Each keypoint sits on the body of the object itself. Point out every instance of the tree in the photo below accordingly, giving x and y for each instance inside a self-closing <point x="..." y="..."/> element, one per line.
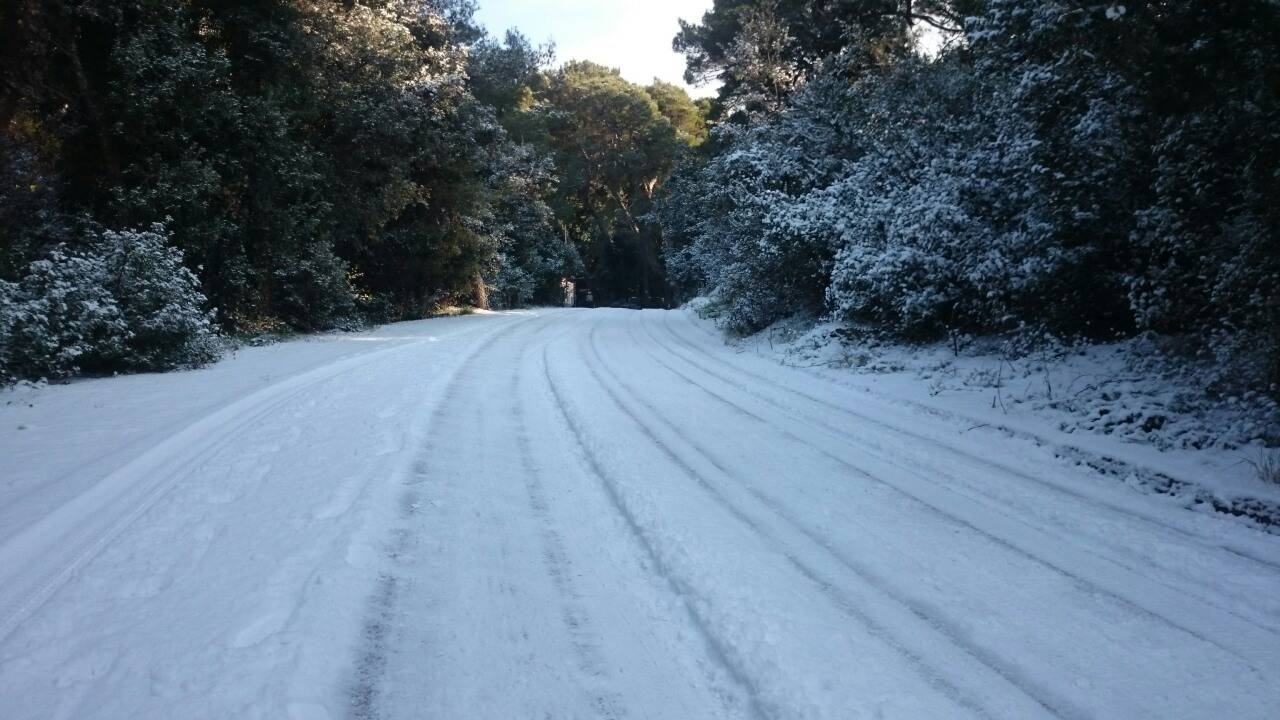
<point x="613" y="148"/>
<point x="689" y="118"/>
<point x="1086" y="170"/>
<point x="303" y="153"/>
<point x="762" y="51"/>
<point x="507" y="75"/>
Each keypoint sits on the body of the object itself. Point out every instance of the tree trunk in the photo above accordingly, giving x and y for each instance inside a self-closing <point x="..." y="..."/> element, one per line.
<point x="481" y="292"/>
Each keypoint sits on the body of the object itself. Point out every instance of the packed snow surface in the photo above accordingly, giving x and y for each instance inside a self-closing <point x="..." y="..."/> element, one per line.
<point x="590" y="514"/>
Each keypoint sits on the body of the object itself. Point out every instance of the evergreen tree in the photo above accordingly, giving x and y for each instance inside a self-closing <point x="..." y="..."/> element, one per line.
<point x="613" y="148"/>
<point x="1089" y="170"/>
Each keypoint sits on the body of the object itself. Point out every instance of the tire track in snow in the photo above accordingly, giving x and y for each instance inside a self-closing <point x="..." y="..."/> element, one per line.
<point x="922" y="472"/>
<point x="364" y="691"/>
<point x="379" y="641"/>
<point x="81" y="529"/>
<point x="574" y="616"/>
<point x="1054" y="488"/>
<point x="1241" y="645"/>
<point x="1043" y="699"/>
<point x="719" y="651"/>
<point x="139" y="446"/>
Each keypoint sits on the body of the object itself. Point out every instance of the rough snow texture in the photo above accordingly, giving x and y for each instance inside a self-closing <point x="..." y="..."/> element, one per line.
<point x="591" y="514"/>
<point x="1088" y="403"/>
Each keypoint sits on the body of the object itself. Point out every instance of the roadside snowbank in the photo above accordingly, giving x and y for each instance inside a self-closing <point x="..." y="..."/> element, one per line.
<point x="1107" y="406"/>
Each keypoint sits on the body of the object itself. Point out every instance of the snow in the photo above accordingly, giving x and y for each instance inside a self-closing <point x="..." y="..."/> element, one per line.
<point x="593" y="513"/>
<point x="1093" y="403"/>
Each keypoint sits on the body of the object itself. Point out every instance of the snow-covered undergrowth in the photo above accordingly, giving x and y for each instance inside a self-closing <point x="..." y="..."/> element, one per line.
<point x="124" y="302"/>
<point x="1125" y="388"/>
<point x="1097" y="404"/>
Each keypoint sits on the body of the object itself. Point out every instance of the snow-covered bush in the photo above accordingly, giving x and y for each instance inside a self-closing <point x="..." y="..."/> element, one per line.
<point x="61" y="318"/>
<point x="921" y="250"/>
<point x="1267" y="466"/>
<point x="531" y="259"/>
<point x="159" y="299"/>
<point x="751" y="233"/>
<point x="124" y="302"/>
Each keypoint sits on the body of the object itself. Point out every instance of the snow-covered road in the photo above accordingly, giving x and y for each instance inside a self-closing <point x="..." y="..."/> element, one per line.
<point x="590" y="514"/>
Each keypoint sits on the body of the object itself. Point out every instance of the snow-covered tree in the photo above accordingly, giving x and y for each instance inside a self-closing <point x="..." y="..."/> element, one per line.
<point x="1087" y="169"/>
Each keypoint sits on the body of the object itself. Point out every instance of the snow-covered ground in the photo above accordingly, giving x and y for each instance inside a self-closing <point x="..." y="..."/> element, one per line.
<point x="1118" y="407"/>
<point x="592" y="514"/>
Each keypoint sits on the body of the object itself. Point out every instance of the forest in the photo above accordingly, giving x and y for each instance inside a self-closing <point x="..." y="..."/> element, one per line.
<point x="172" y="173"/>
<point x="1065" y="169"/>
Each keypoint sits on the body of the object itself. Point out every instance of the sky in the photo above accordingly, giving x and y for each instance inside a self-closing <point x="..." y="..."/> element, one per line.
<point x="631" y="35"/>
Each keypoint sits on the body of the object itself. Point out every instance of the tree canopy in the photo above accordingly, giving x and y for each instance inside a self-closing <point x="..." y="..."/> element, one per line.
<point x="1072" y="168"/>
<point x="1067" y="168"/>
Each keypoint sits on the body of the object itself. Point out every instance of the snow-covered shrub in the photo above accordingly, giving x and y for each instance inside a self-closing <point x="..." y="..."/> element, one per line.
<point x="1267" y="466"/>
<point x="916" y="256"/>
<point x="514" y="286"/>
<point x="61" y="318"/>
<point x="124" y="302"/>
<point x="530" y="258"/>
<point x="751" y="233"/>
<point x="159" y="299"/>
<point x="1068" y="150"/>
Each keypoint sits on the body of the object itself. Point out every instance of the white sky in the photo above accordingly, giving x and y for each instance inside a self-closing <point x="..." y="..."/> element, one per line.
<point x="632" y="35"/>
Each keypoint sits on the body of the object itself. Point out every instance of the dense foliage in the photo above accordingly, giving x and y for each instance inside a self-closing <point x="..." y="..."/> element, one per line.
<point x="1087" y="170"/>
<point x="121" y="301"/>
<point x="314" y="163"/>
